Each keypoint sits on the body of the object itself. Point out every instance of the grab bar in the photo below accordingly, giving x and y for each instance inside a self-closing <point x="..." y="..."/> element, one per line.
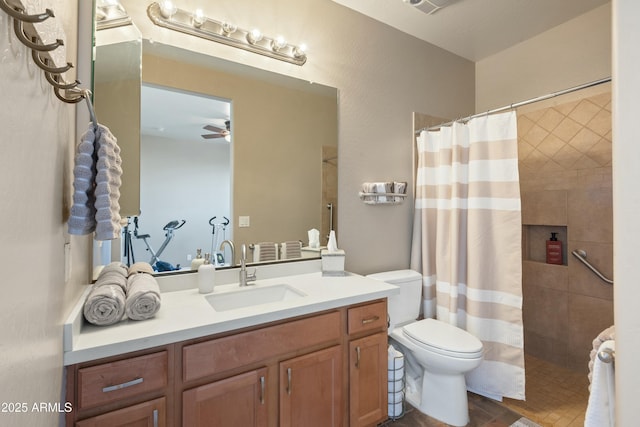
<point x="607" y="355"/>
<point x="582" y="256"/>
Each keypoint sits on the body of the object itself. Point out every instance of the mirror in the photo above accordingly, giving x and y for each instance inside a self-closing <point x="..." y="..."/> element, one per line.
<point x="283" y="151"/>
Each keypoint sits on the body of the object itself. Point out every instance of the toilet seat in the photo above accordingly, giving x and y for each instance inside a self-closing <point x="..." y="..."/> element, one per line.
<point x="443" y="338"/>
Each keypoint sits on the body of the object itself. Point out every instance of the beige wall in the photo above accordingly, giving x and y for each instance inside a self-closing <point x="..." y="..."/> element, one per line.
<point x="564" y="149"/>
<point x="38" y="135"/>
<point x="382" y="77"/>
<point x="571" y="54"/>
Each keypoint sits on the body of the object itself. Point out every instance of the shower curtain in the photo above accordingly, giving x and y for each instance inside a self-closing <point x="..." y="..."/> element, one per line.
<point x="467" y="243"/>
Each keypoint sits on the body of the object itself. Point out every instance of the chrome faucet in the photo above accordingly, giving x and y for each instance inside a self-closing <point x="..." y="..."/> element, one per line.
<point x="245" y="277"/>
<point x="233" y="251"/>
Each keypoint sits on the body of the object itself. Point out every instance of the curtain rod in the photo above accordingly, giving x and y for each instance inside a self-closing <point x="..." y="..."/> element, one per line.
<point x="520" y="104"/>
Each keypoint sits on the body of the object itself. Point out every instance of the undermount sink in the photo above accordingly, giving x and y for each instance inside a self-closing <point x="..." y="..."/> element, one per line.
<point x="253" y="296"/>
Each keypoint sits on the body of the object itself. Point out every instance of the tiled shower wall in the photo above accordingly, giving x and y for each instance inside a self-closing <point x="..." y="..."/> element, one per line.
<point x="565" y="179"/>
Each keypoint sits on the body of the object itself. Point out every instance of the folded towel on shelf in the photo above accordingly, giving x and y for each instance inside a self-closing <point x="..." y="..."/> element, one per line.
<point x="107" y="189"/>
<point x="372" y="188"/>
<point x="105" y="304"/>
<point x="265" y="251"/>
<point x="399" y="188"/>
<point x="606" y="335"/>
<point x="143" y="296"/>
<point x="291" y="249"/>
<point x="82" y="216"/>
<point x="601" y="404"/>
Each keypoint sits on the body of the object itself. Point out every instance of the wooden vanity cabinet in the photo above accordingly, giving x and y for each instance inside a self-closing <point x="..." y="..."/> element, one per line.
<point x="325" y="369"/>
<point x="236" y="401"/>
<point x="133" y="389"/>
<point x="367" y="364"/>
<point x="279" y="375"/>
<point x="311" y="389"/>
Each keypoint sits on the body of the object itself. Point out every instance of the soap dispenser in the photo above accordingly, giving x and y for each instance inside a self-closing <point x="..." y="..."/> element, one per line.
<point x="198" y="260"/>
<point x="554" y="250"/>
<point x="206" y="275"/>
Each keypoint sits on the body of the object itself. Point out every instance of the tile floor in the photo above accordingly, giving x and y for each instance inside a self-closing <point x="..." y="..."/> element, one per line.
<point x="556" y="397"/>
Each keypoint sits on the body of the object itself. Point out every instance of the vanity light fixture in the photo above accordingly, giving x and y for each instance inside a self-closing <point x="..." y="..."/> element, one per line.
<point x="110" y="14"/>
<point x="166" y="14"/>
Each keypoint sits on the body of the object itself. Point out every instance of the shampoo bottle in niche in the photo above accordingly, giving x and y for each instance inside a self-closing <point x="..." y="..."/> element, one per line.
<point x="554" y="250"/>
<point x="198" y="260"/>
<point x="206" y="275"/>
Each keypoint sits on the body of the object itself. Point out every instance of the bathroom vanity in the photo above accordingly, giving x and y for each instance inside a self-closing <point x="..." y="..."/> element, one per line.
<point x="318" y="359"/>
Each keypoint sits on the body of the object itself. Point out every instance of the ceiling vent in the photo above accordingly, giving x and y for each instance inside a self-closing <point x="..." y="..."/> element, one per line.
<point x="429" y="6"/>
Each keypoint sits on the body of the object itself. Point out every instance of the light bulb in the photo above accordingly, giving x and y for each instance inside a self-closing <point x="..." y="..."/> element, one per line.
<point x="198" y="18"/>
<point x="278" y="43"/>
<point x="228" y="28"/>
<point x="254" y="36"/>
<point x="300" y="51"/>
<point x="167" y="9"/>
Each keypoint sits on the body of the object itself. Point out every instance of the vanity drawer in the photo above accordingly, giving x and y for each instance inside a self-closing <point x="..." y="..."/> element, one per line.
<point x="235" y="351"/>
<point x="121" y="379"/>
<point x="367" y="317"/>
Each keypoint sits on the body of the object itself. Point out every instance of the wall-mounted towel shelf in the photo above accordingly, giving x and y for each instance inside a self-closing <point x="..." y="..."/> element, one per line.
<point x="382" y="198"/>
<point x="383" y="193"/>
<point x="42" y="53"/>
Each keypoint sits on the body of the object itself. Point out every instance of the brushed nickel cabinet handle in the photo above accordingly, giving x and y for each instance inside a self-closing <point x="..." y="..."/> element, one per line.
<point x="370" y="320"/>
<point x="123" y="385"/>
<point x="358" y="357"/>
<point x="262" y="390"/>
<point x="289" y="381"/>
<point x="155" y="418"/>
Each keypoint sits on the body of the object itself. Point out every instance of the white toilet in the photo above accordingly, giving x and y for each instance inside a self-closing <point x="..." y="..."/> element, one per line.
<point x="437" y="354"/>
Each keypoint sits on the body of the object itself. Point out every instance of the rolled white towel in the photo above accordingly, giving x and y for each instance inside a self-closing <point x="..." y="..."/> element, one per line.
<point x="105" y="304"/>
<point x="140" y="267"/>
<point x="143" y="296"/>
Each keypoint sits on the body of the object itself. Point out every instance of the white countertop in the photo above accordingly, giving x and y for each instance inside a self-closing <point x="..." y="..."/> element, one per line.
<point x="185" y="314"/>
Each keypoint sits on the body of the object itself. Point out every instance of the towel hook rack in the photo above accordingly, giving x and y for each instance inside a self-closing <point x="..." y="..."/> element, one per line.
<point x="73" y="93"/>
<point x="18" y="13"/>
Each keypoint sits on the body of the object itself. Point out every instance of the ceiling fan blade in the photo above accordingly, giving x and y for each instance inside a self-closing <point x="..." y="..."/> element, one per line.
<point x="213" y="128"/>
<point x="212" y="136"/>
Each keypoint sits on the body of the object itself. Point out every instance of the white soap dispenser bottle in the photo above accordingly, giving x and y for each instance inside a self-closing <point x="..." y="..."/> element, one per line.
<point x="206" y="275"/>
<point x="198" y="260"/>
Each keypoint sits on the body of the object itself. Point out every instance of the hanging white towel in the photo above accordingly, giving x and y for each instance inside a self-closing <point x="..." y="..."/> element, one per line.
<point x="265" y="251"/>
<point x="108" y="181"/>
<point x="97" y="178"/>
<point x="601" y="406"/>
<point x="606" y="335"/>
<point x="292" y="249"/>
<point x="82" y="219"/>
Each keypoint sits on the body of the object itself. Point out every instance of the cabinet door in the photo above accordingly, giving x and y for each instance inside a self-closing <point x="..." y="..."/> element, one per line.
<point x="368" y="380"/>
<point x="235" y="401"/>
<point x="311" y="389"/>
<point x="147" y="414"/>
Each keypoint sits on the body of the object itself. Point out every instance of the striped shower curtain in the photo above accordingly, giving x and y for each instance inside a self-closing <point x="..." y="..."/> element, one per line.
<point x="467" y="243"/>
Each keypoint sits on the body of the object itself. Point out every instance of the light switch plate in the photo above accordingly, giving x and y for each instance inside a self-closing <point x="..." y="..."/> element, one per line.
<point x="244" y="221"/>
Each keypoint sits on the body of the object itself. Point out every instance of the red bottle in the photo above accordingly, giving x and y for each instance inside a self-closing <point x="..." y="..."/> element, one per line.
<point x="554" y="250"/>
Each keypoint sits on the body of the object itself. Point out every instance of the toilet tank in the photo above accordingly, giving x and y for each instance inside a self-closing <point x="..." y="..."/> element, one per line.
<point x="405" y="307"/>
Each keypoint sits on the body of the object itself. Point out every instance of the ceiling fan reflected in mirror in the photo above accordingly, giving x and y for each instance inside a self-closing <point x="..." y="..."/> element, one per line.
<point x="218" y="132"/>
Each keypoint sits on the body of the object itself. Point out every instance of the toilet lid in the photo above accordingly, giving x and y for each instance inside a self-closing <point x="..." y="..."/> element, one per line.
<point x="443" y="338"/>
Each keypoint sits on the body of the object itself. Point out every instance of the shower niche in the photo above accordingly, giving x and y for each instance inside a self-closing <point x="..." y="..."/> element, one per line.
<point x="534" y="241"/>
